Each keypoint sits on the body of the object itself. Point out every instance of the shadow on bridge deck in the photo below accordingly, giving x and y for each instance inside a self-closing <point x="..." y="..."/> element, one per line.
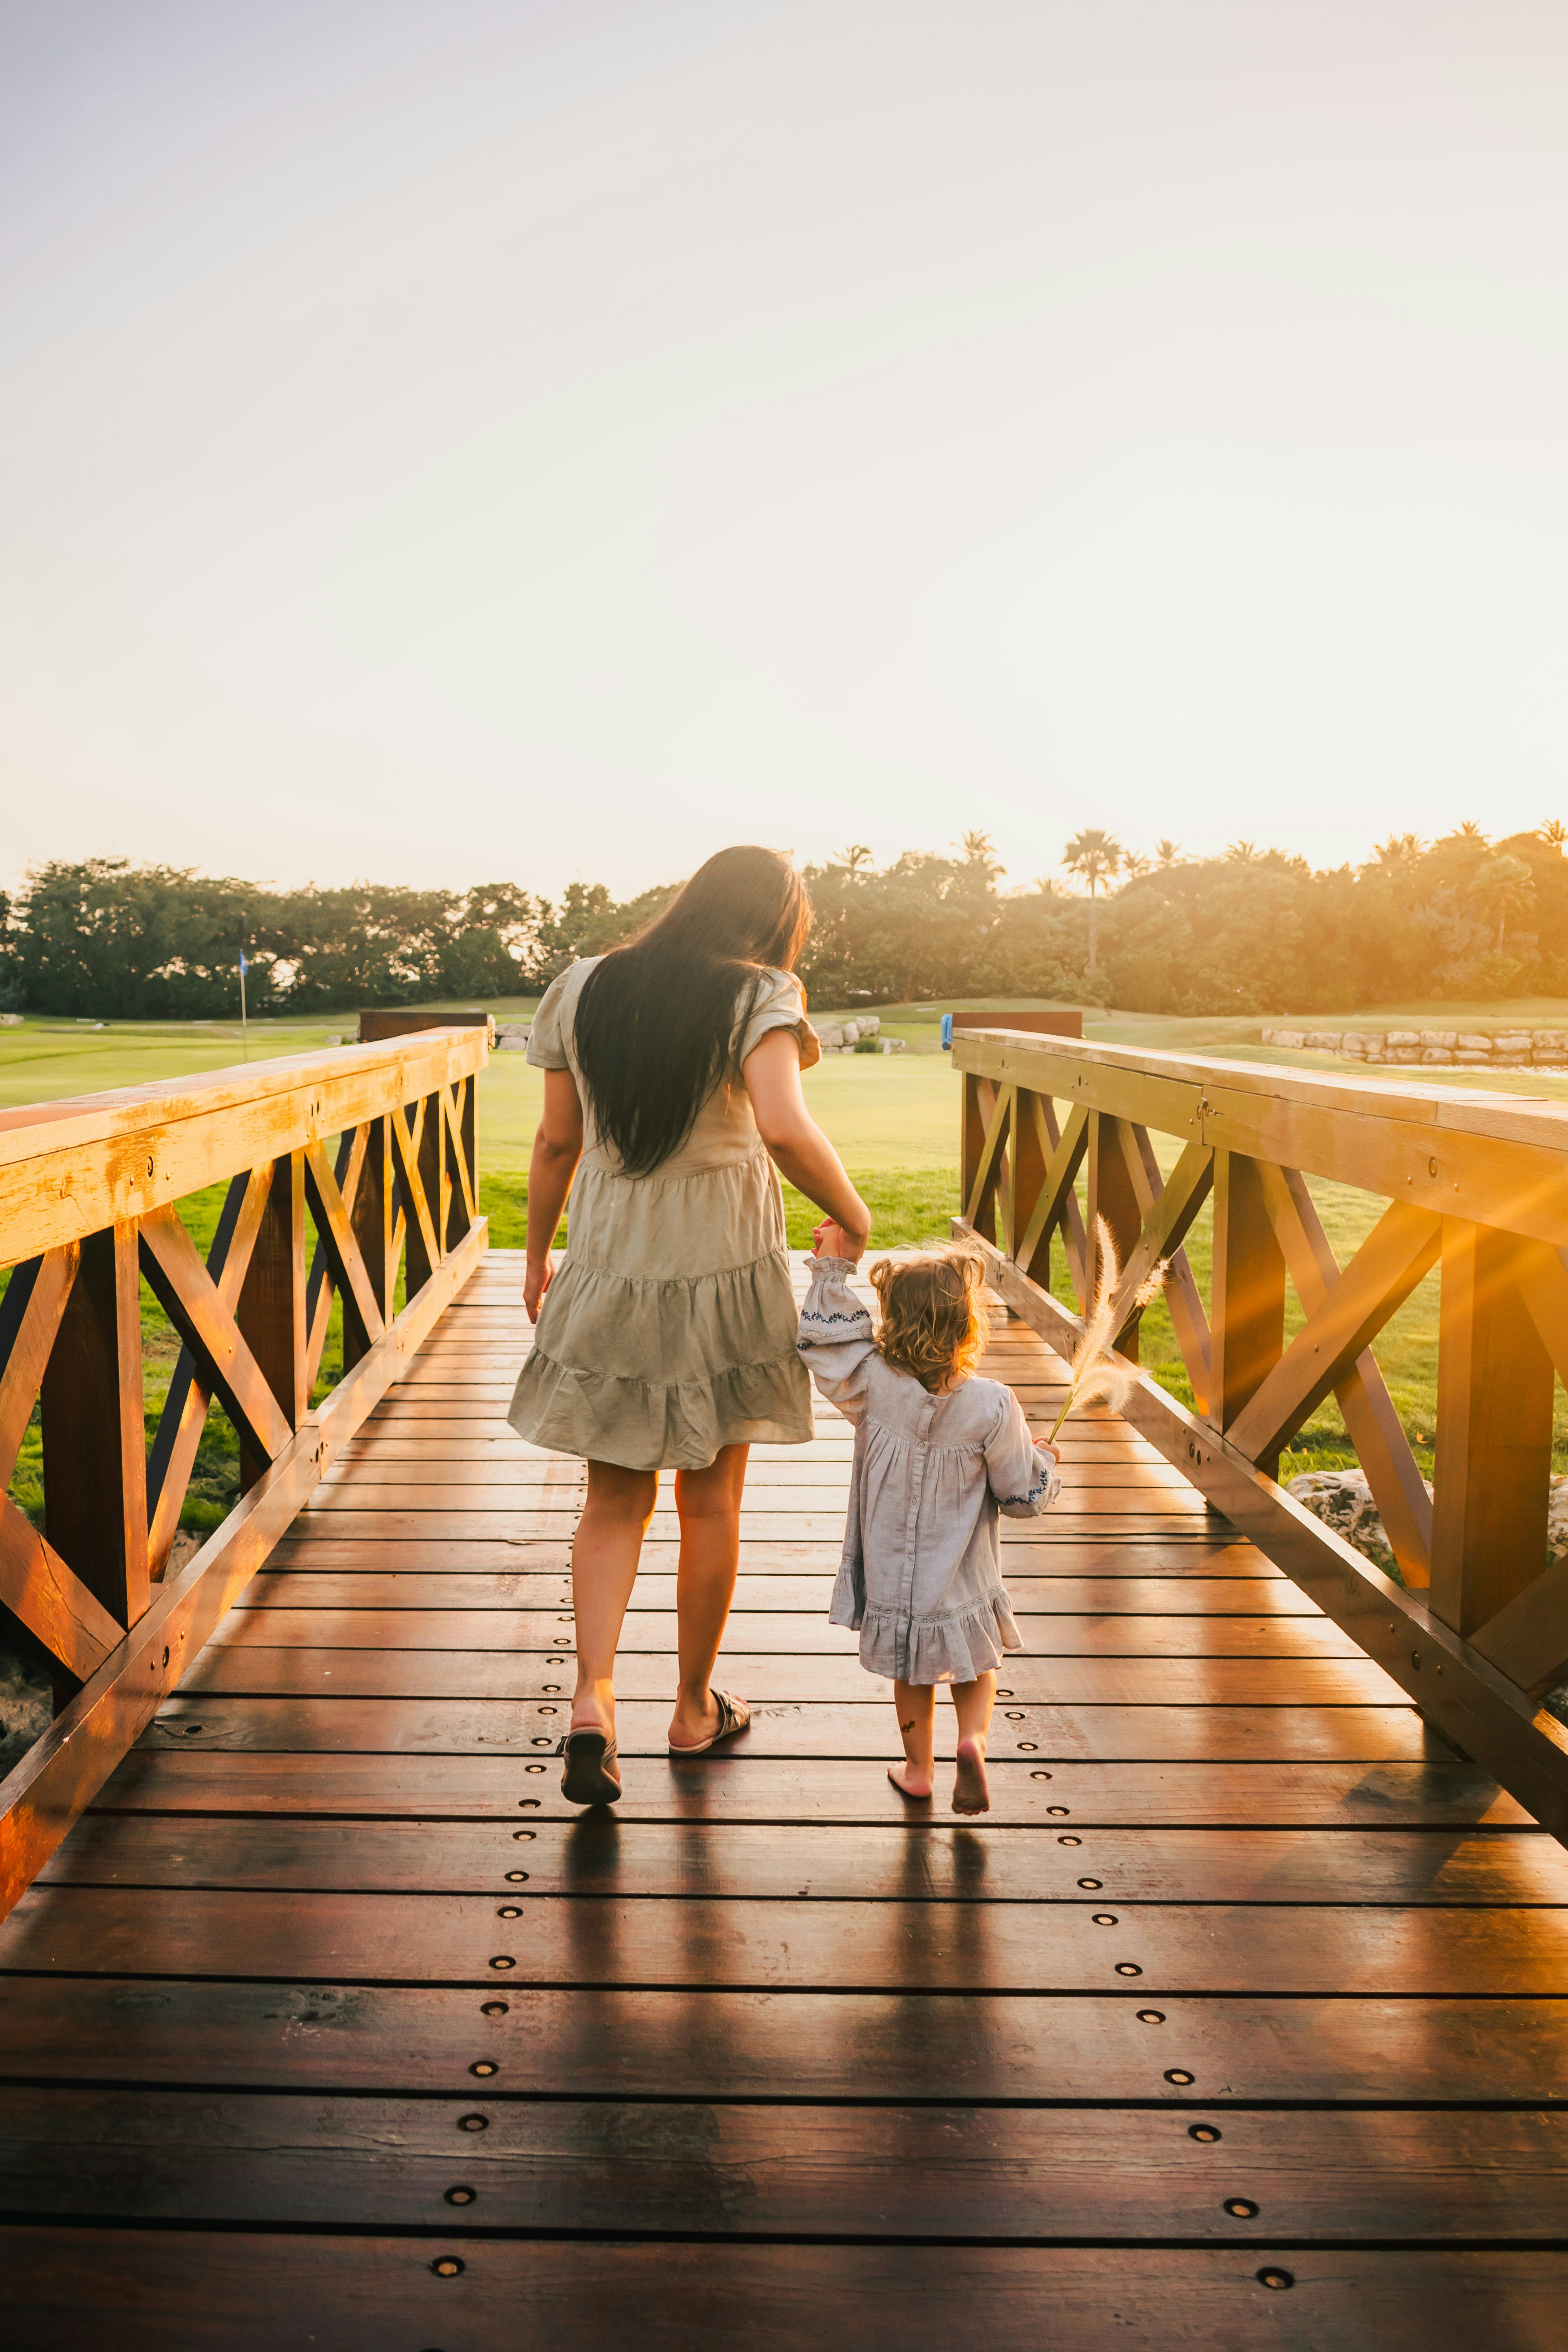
<point x="1238" y="2022"/>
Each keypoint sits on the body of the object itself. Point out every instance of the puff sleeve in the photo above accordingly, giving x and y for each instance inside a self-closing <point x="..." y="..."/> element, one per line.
<point x="780" y="1004"/>
<point x="546" y="1050"/>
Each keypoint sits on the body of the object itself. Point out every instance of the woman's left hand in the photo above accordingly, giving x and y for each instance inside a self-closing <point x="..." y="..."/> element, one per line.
<point x="536" y="1281"/>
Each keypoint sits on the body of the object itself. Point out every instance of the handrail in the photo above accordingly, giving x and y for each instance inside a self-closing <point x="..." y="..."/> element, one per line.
<point x="1476" y="1185"/>
<point x="87" y="1195"/>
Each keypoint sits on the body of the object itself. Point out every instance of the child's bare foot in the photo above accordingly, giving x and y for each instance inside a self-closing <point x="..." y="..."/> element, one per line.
<point x="971" y="1791"/>
<point x="909" y="1782"/>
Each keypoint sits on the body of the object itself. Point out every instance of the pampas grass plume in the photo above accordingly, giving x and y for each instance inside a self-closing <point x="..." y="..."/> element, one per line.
<point x="1093" y="1376"/>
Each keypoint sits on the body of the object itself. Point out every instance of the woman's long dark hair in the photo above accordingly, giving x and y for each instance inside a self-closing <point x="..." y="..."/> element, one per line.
<point x="657" y="1021"/>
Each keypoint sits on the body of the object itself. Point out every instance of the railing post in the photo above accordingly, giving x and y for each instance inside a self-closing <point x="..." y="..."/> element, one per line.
<point x="1246" y="1316"/>
<point x="95" y="1460"/>
<point x="436" y="1185"/>
<point x="1029" y="1164"/>
<point x="1113" y="1197"/>
<point x="372" y="1218"/>
<point x="973" y="1127"/>
<point x="271" y="1310"/>
<point x="1494" y="1432"/>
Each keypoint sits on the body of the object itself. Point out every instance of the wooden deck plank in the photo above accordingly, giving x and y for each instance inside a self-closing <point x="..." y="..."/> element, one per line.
<point x="1109" y="1611"/>
<point x="210" y="2290"/>
<point x="777" y="1620"/>
<point x="1436" y="1790"/>
<point x="782" y="1672"/>
<point x="827" y="1863"/>
<point x="594" y="2042"/>
<point x="324" y="1546"/>
<point x="1152" y="1949"/>
<point x="828" y="2172"/>
<point x="1149" y="1732"/>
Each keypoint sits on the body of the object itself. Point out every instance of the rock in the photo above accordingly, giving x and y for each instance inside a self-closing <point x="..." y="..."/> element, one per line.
<point x="870" y="1023"/>
<point x="1344" y="1501"/>
<point x="10" y="1019"/>
<point x="1512" y="1041"/>
<point x="1471" y="1043"/>
<point x="1436" y="1053"/>
<point x="512" y="1036"/>
<point x="26" y="1707"/>
<point x="1293" y="1038"/>
<point x="831" y="1034"/>
<point x="187" y="1542"/>
<point x="1404" y="1036"/>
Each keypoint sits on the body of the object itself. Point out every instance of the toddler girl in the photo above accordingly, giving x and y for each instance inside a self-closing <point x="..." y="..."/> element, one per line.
<point x="938" y="1454"/>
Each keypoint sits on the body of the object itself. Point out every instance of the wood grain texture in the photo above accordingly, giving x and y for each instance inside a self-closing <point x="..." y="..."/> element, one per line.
<point x="714" y="2044"/>
<point x="262" y="2292"/>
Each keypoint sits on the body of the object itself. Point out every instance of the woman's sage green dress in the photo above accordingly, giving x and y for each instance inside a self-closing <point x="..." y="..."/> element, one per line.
<point x="670" y="1329"/>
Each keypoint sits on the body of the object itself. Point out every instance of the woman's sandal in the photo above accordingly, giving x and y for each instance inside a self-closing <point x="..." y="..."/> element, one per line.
<point x="590" y="1777"/>
<point x="734" y="1716"/>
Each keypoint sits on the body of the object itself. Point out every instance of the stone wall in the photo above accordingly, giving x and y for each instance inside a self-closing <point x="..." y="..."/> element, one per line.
<point x="1503" y="1049"/>
<point x="837" y="1036"/>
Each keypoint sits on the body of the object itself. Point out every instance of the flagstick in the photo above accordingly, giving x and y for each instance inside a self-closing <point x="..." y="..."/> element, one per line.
<point x="244" y="1027"/>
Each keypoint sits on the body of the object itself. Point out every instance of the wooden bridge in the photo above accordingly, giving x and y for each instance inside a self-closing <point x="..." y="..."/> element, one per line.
<point x="1239" y="2021"/>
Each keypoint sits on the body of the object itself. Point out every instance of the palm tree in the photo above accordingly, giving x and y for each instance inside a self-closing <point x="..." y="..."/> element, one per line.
<point x="1168" y="854"/>
<point x="856" y="860"/>
<point x="1243" y="853"/>
<point x="1134" y="863"/>
<point x="1504" y="886"/>
<point x="1095" y="856"/>
<point x="1554" y="833"/>
<point x="978" y="851"/>
<point x="1401" y="849"/>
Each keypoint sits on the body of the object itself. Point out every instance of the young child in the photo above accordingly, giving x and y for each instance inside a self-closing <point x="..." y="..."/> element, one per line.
<point x="938" y="1454"/>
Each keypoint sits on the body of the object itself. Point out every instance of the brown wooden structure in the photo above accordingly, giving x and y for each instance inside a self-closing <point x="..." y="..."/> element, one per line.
<point x="1238" y="2021"/>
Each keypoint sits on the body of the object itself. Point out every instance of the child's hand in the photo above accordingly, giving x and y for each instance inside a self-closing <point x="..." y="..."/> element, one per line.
<point x="830" y="1240"/>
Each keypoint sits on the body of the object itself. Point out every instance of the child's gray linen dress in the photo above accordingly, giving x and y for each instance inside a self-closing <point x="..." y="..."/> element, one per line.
<point x="921" y="1579"/>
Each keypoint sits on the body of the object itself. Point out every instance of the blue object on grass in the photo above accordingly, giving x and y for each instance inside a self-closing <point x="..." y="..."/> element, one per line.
<point x="946" y="1029"/>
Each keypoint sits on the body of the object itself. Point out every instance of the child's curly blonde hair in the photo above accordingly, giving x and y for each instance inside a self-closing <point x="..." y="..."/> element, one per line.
<point x="934" y="1323"/>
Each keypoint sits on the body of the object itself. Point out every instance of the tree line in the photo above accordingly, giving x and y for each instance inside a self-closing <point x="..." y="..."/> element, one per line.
<point x="1251" y="931"/>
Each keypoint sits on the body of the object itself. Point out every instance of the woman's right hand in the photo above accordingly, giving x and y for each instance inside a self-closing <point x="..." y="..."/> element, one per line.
<point x="536" y="1281"/>
<point x="833" y="1240"/>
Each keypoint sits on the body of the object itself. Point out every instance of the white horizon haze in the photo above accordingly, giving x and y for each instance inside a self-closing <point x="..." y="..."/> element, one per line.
<point x="548" y="440"/>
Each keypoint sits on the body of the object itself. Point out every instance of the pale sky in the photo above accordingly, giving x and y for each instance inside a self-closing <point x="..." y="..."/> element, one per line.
<point x="443" y="440"/>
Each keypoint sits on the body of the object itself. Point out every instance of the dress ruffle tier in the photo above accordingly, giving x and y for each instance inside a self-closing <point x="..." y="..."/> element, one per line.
<point x="661" y="1373"/>
<point x="948" y="1649"/>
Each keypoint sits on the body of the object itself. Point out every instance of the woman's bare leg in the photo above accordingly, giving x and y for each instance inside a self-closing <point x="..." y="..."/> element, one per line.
<point x="604" y="1569"/>
<point x="709" y="1502"/>
<point x="973" y="1701"/>
<point x="915" y="1703"/>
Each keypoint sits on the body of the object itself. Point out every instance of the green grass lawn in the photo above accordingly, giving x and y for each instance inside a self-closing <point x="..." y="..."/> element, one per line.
<point x="893" y="1118"/>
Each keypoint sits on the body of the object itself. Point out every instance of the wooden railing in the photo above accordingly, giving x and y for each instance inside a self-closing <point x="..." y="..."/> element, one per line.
<point x="1056" y="1133"/>
<point x="87" y="1195"/>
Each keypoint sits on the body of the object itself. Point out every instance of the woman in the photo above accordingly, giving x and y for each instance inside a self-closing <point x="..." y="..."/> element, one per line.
<point x="667" y="1340"/>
